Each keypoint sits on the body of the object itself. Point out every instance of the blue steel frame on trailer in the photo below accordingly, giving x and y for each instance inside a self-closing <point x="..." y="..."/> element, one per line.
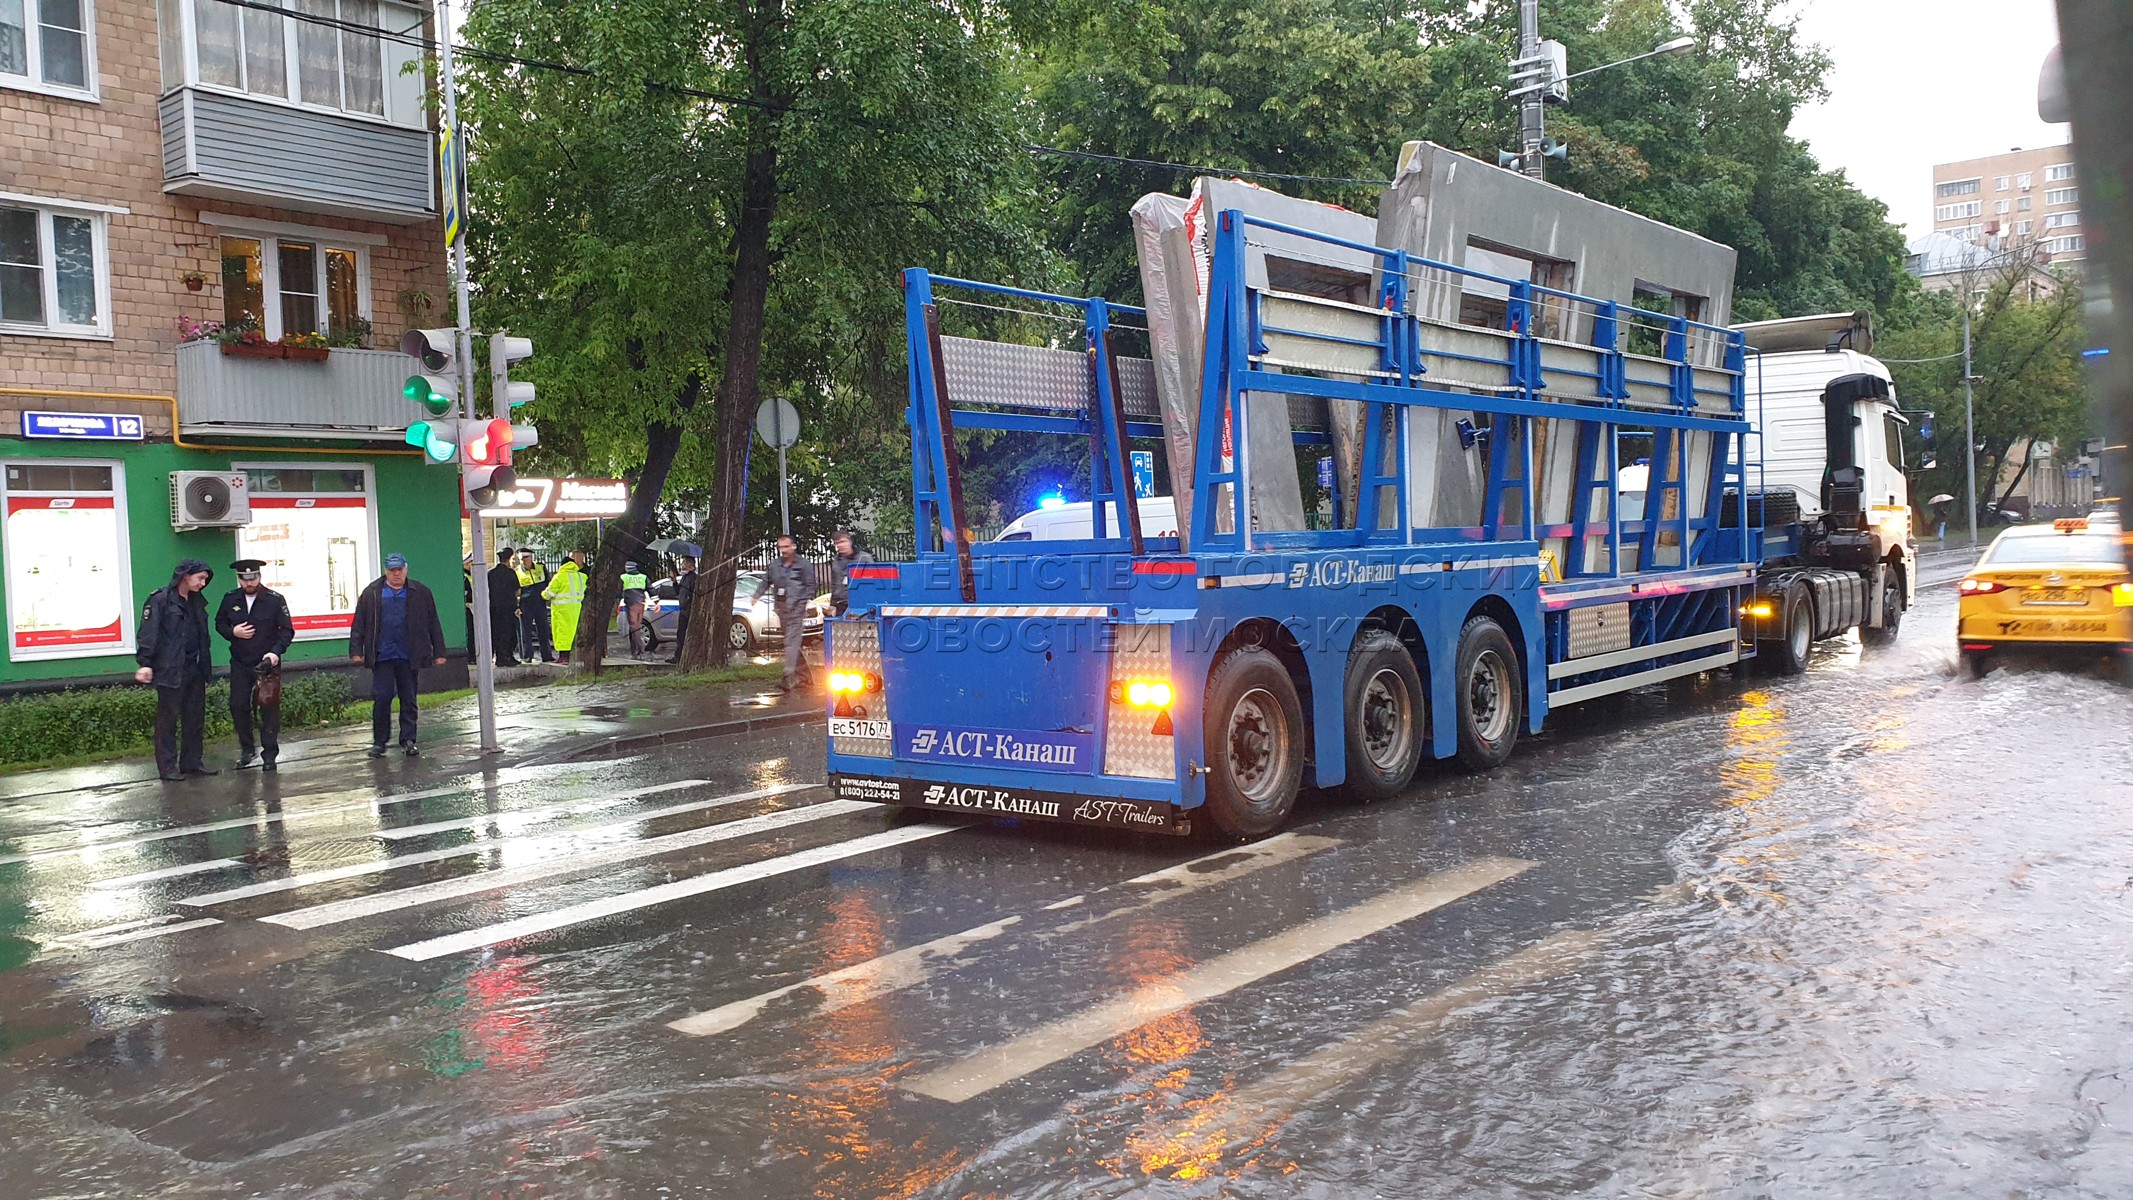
<point x="1015" y="652"/>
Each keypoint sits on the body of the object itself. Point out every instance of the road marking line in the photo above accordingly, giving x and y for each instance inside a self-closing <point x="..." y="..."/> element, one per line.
<point x="533" y="816"/>
<point x="359" y="907"/>
<point x="265" y="818"/>
<point x="680" y="889"/>
<point x="988" y="1069"/>
<point x="913" y="965"/>
<point x="469" y="850"/>
<point x="121" y="927"/>
<point x="142" y="935"/>
<point x="198" y="868"/>
<point x="1309" y="1078"/>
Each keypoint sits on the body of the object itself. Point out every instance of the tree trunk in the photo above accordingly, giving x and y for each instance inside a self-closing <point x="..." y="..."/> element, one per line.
<point x="625" y="538"/>
<point x="739" y="390"/>
<point x="2028" y="453"/>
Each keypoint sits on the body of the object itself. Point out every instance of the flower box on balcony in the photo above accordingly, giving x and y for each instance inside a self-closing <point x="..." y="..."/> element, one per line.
<point x="251" y="350"/>
<point x="307" y="353"/>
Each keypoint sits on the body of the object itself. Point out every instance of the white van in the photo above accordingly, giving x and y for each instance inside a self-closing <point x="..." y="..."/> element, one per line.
<point x="1072" y="522"/>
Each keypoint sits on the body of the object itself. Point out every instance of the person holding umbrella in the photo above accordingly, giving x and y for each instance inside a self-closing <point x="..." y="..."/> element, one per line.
<point x="1940" y="505"/>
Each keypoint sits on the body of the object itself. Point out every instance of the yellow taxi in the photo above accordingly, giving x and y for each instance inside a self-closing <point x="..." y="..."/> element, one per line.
<point x="2057" y="585"/>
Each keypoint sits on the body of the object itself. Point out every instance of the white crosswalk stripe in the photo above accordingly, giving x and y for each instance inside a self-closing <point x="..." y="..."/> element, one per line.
<point x="489" y="881"/>
<point x="560" y="842"/>
<point x="913" y="965"/>
<point x="593" y="910"/>
<point x="988" y="1069"/>
<point x="509" y="819"/>
<point x="178" y="872"/>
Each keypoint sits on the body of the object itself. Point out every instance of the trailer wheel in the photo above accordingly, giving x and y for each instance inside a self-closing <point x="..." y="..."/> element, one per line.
<point x="1382" y="700"/>
<point x="1491" y="694"/>
<point x="1255" y="731"/>
<point x="1787" y="654"/>
<point x="1891" y="610"/>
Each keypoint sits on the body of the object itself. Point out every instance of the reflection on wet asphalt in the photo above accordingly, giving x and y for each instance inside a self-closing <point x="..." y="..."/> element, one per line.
<point x="1865" y="932"/>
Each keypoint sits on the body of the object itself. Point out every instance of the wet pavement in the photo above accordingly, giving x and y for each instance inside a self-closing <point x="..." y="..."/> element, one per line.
<point x="1864" y="932"/>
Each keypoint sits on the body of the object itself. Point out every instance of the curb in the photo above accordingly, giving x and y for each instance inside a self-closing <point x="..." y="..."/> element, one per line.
<point x="617" y="747"/>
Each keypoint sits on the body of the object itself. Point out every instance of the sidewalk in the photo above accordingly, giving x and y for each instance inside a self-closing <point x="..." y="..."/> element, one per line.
<point x="535" y="726"/>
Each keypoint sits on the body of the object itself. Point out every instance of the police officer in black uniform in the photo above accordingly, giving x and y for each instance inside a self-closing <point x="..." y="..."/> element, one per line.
<point x="255" y="620"/>
<point x="173" y="653"/>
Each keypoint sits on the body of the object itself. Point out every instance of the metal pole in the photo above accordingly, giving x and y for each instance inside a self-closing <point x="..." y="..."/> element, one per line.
<point x="484" y="637"/>
<point x="784" y="496"/>
<point x="1969" y="429"/>
<point x="1531" y="107"/>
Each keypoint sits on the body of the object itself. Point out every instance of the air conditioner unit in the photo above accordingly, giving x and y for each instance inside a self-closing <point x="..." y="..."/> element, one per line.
<point x="209" y="500"/>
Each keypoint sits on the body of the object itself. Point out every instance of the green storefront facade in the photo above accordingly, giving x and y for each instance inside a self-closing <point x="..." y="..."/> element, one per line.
<point x="86" y="533"/>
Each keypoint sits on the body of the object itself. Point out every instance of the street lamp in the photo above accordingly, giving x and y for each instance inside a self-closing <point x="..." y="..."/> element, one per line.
<point x="1537" y="76"/>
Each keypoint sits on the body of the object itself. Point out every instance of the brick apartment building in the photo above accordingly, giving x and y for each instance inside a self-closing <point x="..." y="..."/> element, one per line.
<point x="2020" y="197"/>
<point x="194" y="163"/>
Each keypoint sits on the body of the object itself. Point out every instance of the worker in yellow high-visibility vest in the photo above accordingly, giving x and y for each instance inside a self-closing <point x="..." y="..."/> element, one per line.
<point x="565" y="594"/>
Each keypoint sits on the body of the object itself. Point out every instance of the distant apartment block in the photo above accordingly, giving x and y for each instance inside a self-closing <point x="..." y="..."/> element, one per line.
<point x="2022" y="196"/>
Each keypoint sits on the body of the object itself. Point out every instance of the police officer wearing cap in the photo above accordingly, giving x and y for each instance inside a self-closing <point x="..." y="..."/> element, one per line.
<point x="254" y="619"/>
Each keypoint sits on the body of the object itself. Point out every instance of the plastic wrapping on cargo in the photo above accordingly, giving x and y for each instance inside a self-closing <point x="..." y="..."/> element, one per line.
<point x="1177" y="334"/>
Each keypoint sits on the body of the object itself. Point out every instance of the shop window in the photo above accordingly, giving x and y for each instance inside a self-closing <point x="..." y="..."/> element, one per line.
<point x="69" y="586"/>
<point x="314" y="527"/>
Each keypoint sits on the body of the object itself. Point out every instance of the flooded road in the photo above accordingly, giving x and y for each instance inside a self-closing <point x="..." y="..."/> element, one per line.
<point x="1863" y="932"/>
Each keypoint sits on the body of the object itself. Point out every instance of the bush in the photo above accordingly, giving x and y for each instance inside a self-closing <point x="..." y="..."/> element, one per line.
<point x="109" y="721"/>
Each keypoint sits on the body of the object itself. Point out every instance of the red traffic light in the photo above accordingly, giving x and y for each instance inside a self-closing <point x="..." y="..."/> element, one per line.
<point x="485" y="443"/>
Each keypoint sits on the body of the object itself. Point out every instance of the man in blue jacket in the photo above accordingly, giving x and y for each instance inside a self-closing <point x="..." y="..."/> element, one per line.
<point x="396" y="633"/>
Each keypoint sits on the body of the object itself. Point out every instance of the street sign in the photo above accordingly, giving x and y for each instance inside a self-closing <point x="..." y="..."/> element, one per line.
<point x="95" y="427"/>
<point x="777" y="422"/>
<point x="448" y="181"/>
<point x="1144" y="473"/>
<point x="1325" y="472"/>
<point x="560" y="500"/>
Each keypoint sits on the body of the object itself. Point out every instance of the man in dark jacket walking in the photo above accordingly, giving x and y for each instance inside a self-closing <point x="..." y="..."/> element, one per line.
<point x="395" y="633"/>
<point x="174" y="655"/>
<point x="255" y="620"/>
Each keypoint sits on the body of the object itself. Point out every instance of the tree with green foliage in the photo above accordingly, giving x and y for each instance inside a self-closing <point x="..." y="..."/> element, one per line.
<point x="693" y="204"/>
<point x="2029" y="387"/>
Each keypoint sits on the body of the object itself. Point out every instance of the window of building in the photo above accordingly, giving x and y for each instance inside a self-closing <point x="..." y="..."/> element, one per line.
<point x="69" y="588"/>
<point x="2065" y="220"/>
<point x="1999" y="184"/>
<point x="314" y="526"/>
<point x="1956" y="212"/>
<point x="47" y="44"/>
<point x="2022" y="181"/>
<point x="323" y="60"/>
<point x="1968" y="233"/>
<point x="2065" y="245"/>
<point x="2065" y="195"/>
<point x="2000" y="207"/>
<point x="2022" y="204"/>
<point x="284" y="284"/>
<point x="1958" y="187"/>
<point x="54" y="270"/>
<point x="2022" y="228"/>
<point x="2058" y="172"/>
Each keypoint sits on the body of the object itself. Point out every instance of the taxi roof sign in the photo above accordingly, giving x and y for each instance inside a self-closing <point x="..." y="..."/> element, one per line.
<point x="2071" y="524"/>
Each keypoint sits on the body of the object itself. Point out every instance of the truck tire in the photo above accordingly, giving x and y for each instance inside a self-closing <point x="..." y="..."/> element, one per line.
<point x="1384" y="713"/>
<point x="1255" y="743"/>
<point x="1491" y="694"/>
<point x="1776" y="508"/>
<point x="1891" y="610"/>
<point x="1972" y="664"/>
<point x="1787" y="653"/>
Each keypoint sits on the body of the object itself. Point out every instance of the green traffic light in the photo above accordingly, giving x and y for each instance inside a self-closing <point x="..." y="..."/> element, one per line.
<point x="418" y="389"/>
<point x="436" y="449"/>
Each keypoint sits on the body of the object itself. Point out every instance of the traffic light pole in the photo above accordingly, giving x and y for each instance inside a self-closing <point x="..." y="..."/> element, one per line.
<point x="484" y="636"/>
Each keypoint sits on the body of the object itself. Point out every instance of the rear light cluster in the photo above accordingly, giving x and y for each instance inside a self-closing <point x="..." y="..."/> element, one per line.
<point x="2122" y="595"/>
<point x="1139" y="739"/>
<point x="856" y="683"/>
<point x="1979" y="587"/>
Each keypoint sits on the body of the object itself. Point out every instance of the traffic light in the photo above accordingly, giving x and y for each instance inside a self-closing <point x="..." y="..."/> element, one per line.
<point x="436" y="386"/>
<point x="508" y="395"/>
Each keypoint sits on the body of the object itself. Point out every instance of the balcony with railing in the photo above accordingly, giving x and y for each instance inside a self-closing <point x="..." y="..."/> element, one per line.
<point x="339" y="395"/>
<point x="309" y="114"/>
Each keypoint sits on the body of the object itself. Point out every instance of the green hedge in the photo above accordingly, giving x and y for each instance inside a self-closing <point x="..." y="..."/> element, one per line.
<point x="116" y="720"/>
